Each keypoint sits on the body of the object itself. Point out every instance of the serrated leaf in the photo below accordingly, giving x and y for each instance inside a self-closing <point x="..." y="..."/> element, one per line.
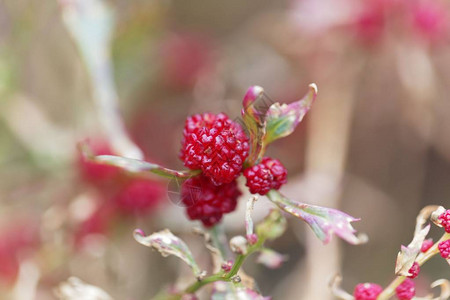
<point x="281" y="119"/>
<point x="270" y="258"/>
<point x="226" y="291"/>
<point x="134" y="165"/>
<point x="168" y="244"/>
<point x="407" y="256"/>
<point x="322" y="220"/>
<point x="273" y="226"/>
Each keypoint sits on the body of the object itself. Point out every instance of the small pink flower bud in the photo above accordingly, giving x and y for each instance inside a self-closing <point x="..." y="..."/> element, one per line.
<point x="414" y="270"/>
<point x="367" y="291"/>
<point x="252" y="238"/>
<point x="226" y="266"/>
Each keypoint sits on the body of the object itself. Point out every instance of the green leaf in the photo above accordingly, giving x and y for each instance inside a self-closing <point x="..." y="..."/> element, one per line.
<point x="134" y="165"/>
<point x="253" y="113"/>
<point x="322" y="220"/>
<point x="168" y="244"/>
<point x="281" y="119"/>
<point x="407" y="256"/>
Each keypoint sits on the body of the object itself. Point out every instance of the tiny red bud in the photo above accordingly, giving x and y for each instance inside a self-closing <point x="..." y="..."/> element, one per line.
<point x="252" y="238"/>
<point x="414" y="270"/>
<point x="426" y="245"/>
<point x="226" y="266"/>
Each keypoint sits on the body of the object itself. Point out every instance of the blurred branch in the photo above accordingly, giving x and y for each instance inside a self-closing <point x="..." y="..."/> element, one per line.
<point x="91" y="23"/>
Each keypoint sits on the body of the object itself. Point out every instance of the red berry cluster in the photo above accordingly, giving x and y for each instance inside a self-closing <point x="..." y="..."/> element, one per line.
<point x="216" y="145"/>
<point x="367" y="291"/>
<point x="444" y="249"/>
<point x="119" y="194"/>
<point x="267" y="175"/>
<point x="444" y="219"/>
<point x="219" y="147"/>
<point x="406" y="290"/>
<point x="206" y="201"/>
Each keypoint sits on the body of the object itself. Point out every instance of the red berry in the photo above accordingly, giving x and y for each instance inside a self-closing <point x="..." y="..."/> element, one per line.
<point x="367" y="291"/>
<point x="406" y="290"/>
<point x="426" y="245"/>
<point x="206" y="201"/>
<point x="444" y="249"/>
<point x="267" y="175"/>
<point x="139" y="196"/>
<point x="444" y="218"/>
<point x="216" y="145"/>
<point x="414" y="270"/>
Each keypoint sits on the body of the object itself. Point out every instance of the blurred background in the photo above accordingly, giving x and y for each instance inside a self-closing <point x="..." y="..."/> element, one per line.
<point x="375" y="144"/>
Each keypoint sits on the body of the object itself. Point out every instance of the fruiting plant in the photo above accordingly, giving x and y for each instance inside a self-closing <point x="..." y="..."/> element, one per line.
<point x="217" y="150"/>
<point x="408" y="263"/>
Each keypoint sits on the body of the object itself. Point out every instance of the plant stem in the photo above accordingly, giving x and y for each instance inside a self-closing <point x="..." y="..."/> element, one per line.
<point x="221" y="276"/>
<point x="389" y="291"/>
<point x="197" y="285"/>
<point x="219" y="240"/>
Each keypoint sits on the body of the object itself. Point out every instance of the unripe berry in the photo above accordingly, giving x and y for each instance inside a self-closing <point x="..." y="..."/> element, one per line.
<point x="367" y="291"/>
<point x="406" y="290"/>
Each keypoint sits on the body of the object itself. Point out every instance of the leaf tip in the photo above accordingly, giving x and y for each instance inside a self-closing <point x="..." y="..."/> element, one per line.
<point x="252" y="93"/>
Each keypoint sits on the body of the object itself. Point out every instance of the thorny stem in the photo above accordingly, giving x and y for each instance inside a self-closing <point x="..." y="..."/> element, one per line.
<point x="421" y="259"/>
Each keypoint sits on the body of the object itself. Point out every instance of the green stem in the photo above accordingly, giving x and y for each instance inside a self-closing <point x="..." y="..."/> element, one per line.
<point x="199" y="284"/>
<point x="223" y="276"/>
<point x="236" y="266"/>
<point x="389" y="291"/>
<point x="219" y="241"/>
